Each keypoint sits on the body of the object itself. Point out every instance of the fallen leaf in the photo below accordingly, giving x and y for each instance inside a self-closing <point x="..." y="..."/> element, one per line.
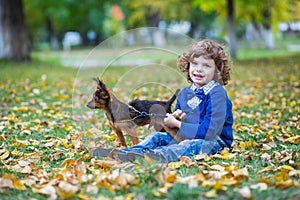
<point x="211" y="193"/>
<point x="187" y="161"/>
<point x="241" y="173"/>
<point x="281" y="176"/>
<point x="171" y="177"/>
<point x="175" y="165"/>
<point x="66" y="190"/>
<point x="285" y="184"/>
<point x="5" y="154"/>
<point x="19" y="185"/>
<point x="267" y="169"/>
<point x="68" y="162"/>
<point x="295" y="173"/>
<point x="217" y="167"/>
<point x="293" y="140"/>
<point x="259" y="186"/>
<point x="45" y="189"/>
<point x="6" y="183"/>
<point x="285" y="168"/>
<point x="245" y="192"/>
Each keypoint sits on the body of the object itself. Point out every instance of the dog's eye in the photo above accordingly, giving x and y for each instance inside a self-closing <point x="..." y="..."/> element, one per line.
<point x="95" y="98"/>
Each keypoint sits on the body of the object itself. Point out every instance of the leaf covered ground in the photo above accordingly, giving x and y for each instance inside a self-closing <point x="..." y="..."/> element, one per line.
<point x="43" y="154"/>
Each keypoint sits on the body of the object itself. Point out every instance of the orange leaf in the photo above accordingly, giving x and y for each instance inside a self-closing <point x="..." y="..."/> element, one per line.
<point x="68" y="162"/>
<point x="19" y="185"/>
<point x="282" y="176"/>
<point x="284" y="184"/>
<point x="171" y="177"/>
<point x="187" y="161"/>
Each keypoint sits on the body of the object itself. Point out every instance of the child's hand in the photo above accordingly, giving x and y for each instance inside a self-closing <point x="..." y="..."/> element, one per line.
<point x="171" y="121"/>
<point x="178" y="114"/>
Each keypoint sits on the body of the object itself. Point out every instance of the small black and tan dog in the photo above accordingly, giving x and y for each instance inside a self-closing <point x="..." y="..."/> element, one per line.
<point x="127" y="117"/>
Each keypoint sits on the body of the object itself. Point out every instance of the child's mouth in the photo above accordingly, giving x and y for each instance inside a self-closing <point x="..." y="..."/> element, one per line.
<point x="198" y="76"/>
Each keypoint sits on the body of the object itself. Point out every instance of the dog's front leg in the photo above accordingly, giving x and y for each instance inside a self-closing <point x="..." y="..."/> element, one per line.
<point x="120" y="136"/>
<point x="133" y="136"/>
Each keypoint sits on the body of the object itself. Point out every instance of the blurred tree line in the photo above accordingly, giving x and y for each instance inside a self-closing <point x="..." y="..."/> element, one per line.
<point x="30" y="22"/>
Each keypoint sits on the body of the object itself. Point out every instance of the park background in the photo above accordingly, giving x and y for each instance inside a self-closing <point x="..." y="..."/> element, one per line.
<point x="49" y="51"/>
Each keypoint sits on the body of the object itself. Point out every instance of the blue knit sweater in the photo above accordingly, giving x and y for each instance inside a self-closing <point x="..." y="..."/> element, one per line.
<point x="208" y="115"/>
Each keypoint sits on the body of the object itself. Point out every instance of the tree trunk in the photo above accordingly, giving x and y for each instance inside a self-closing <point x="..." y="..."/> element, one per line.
<point x="267" y="32"/>
<point x="231" y="28"/>
<point x="13" y="36"/>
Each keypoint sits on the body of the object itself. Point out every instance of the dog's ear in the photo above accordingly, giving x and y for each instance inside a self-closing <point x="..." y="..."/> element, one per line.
<point x="100" y="84"/>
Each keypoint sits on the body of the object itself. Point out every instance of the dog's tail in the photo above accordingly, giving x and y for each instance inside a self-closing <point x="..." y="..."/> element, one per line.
<point x="172" y="99"/>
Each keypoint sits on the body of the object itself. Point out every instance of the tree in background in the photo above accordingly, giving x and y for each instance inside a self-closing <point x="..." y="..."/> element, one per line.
<point x="13" y="36"/>
<point x="52" y="19"/>
<point x="265" y="16"/>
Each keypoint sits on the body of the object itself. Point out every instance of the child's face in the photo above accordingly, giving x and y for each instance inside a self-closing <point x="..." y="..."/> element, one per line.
<point x="202" y="70"/>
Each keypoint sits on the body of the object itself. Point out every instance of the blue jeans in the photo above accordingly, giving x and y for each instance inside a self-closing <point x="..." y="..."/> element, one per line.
<point x="164" y="144"/>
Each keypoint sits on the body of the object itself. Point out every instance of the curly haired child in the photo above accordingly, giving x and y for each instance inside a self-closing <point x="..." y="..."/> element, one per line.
<point x="202" y="115"/>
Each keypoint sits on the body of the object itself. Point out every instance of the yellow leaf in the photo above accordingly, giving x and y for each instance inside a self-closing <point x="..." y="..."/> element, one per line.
<point x="219" y="186"/>
<point x="4" y="155"/>
<point x="293" y="103"/>
<point x="19" y="185"/>
<point x="171" y="177"/>
<point x="68" y="162"/>
<point x="246" y="145"/>
<point x="20" y="143"/>
<point x="241" y="173"/>
<point x="285" y="184"/>
<point x="202" y="156"/>
<point x="267" y="169"/>
<point x="175" y="165"/>
<point x="15" y="152"/>
<point x="21" y="109"/>
<point x="282" y="176"/>
<point x="63" y="97"/>
<point x="285" y="167"/>
<point x="211" y="194"/>
<point x="294" y="140"/>
<point x="148" y="159"/>
<point x="9" y="176"/>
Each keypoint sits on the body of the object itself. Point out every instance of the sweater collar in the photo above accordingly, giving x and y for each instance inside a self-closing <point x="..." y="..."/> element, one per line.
<point x="206" y="88"/>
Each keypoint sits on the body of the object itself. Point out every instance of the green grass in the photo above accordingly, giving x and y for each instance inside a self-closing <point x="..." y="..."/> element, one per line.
<point x="36" y="116"/>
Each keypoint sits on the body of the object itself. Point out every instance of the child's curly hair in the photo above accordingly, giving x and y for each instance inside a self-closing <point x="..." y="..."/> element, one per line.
<point x="209" y="49"/>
